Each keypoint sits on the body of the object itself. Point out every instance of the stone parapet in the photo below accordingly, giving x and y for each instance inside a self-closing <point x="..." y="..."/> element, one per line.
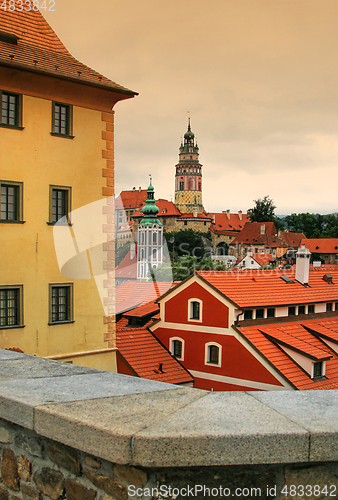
<point x="79" y="433"/>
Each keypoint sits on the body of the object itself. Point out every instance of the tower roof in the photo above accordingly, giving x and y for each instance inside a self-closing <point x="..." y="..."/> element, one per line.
<point x="189" y="135"/>
<point x="150" y="210"/>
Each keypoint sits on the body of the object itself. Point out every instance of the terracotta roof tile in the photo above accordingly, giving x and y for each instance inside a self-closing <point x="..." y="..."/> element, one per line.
<point x="40" y="50"/>
<point x="143" y="352"/>
<point x="133" y="293"/>
<point x="131" y="199"/>
<point x="227" y="222"/>
<point x="127" y="268"/>
<point x="166" y="209"/>
<point x="143" y="310"/>
<point x="321" y="245"/>
<point x="251" y="233"/>
<point x="292" y="239"/>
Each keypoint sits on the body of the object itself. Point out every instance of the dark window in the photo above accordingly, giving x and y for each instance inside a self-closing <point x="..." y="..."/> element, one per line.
<point x="329" y="306"/>
<point x="336" y="306"/>
<point x="10" y="307"/>
<point x="59" y="203"/>
<point x="60" y="303"/>
<point x="271" y="312"/>
<point x="301" y="309"/>
<point x="213" y="354"/>
<point x="195" y="310"/>
<point x="248" y="314"/>
<point x="177" y="348"/>
<point x="311" y="309"/>
<point x="185" y="222"/>
<point x="259" y="313"/>
<point x="11" y="201"/>
<point x="317" y="369"/>
<point x="62" y="119"/>
<point x="292" y="311"/>
<point x="10" y="109"/>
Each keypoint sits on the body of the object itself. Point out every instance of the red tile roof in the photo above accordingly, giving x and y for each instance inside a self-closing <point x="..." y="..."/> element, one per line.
<point x="251" y="234"/>
<point x="263" y="288"/>
<point x="321" y="245"/>
<point x="131" y="294"/>
<point x="143" y="310"/>
<point x="292" y="239"/>
<point x="199" y="216"/>
<point x="131" y="199"/>
<point x="297" y="335"/>
<point x="166" y="209"/>
<point x="143" y="353"/>
<point x="127" y="268"/>
<point x="39" y="49"/>
<point x="224" y="223"/>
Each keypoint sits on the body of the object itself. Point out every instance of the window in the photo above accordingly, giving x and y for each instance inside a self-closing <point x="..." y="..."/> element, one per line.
<point x="259" y="313"/>
<point x="195" y="310"/>
<point x="317" y="369"/>
<point x="185" y="222"/>
<point x="292" y="311"/>
<point x="11" y="109"/>
<point x="59" y="203"/>
<point x="311" y="309"/>
<point x="177" y="347"/>
<point x="270" y="313"/>
<point x="62" y="119"/>
<point x="248" y="314"/>
<point x="336" y="306"/>
<point x="60" y="303"/>
<point x="11" y="306"/>
<point x="329" y="306"/>
<point x="301" y="309"/>
<point x="11" y="201"/>
<point x="213" y="354"/>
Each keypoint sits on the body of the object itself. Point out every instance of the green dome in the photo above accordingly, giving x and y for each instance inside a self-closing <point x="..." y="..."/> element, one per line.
<point x="150" y="210"/>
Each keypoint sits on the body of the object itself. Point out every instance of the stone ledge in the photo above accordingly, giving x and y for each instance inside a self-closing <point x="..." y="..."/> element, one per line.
<point x="129" y="420"/>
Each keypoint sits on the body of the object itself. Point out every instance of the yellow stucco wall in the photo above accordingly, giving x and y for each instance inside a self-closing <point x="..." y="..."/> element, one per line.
<point x="27" y="256"/>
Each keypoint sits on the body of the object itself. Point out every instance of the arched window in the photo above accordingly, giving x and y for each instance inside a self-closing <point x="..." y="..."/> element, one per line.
<point x="195" y="310"/>
<point x="213" y="354"/>
<point x="177" y="347"/>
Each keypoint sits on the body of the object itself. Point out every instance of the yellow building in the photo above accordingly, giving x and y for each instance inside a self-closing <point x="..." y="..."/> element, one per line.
<point x="56" y="155"/>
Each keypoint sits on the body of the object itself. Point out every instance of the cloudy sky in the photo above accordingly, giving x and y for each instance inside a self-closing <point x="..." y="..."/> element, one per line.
<point x="259" y="78"/>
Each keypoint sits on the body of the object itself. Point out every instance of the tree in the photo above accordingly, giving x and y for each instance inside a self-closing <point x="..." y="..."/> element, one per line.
<point x="185" y="243"/>
<point x="263" y="211"/>
<point x="311" y="225"/>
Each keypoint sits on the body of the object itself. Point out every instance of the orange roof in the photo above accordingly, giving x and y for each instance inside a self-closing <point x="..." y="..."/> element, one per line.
<point x="263" y="258"/>
<point x="251" y="233"/>
<point x="227" y="222"/>
<point x="143" y="353"/>
<point x="142" y="310"/>
<point x="127" y="268"/>
<point x="133" y="293"/>
<point x="297" y="335"/>
<point x="321" y="245"/>
<point x="40" y="50"/>
<point x="292" y="239"/>
<point x="166" y="209"/>
<point x="262" y="288"/>
<point x="131" y="199"/>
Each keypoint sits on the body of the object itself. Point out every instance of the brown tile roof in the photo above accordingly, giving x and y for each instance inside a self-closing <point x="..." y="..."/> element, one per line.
<point x="143" y="352"/>
<point x="224" y="223"/>
<point x="292" y="239"/>
<point x="199" y="216"/>
<point x="297" y="335"/>
<point x="321" y="245"/>
<point x="263" y="288"/>
<point x="131" y="199"/>
<point x="40" y="50"/>
<point x="251" y="233"/>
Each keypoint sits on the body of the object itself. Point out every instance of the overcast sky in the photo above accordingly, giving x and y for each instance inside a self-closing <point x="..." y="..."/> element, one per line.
<point x="259" y="78"/>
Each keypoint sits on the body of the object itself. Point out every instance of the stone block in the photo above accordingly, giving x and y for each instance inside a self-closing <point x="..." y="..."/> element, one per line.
<point x="315" y="411"/>
<point x="9" y="469"/>
<point x="222" y="428"/>
<point x="3" y="493"/>
<point x="49" y="482"/>
<point x="131" y="475"/>
<point x="24" y="468"/>
<point x="28" y="493"/>
<point x="92" y="462"/>
<point x="65" y="457"/>
<point x="108" y="484"/>
<point x="105" y="427"/>
<point x="5" y="436"/>
<point x="77" y="491"/>
<point x="30" y="444"/>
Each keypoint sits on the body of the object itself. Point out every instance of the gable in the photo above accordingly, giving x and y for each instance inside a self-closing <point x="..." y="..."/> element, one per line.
<point x="214" y="311"/>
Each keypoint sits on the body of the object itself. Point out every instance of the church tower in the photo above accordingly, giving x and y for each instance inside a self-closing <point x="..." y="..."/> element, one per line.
<point x="149" y="237"/>
<point x="188" y="179"/>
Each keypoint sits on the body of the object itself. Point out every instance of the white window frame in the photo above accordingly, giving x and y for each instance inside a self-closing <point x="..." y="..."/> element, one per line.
<point x="206" y="354"/>
<point x="190" y="310"/>
<point x="171" y="344"/>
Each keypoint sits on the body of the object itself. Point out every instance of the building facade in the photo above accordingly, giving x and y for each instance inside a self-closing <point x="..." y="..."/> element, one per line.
<point x="56" y="156"/>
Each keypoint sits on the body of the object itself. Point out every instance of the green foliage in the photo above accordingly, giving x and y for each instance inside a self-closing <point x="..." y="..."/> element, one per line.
<point x="187" y="243"/>
<point x="163" y="272"/>
<point x="187" y="265"/>
<point x="313" y="225"/>
<point x="121" y="252"/>
<point x="263" y="211"/>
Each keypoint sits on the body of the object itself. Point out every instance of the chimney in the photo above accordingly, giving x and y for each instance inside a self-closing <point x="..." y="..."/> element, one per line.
<point x="303" y="265"/>
<point x="160" y="367"/>
<point x="240" y="214"/>
<point x="262" y="228"/>
<point x="214" y="218"/>
<point x="140" y="189"/>
<point x="228" y="214"/>
<point x="132" y="251"/>
<point x="134" y="188"/>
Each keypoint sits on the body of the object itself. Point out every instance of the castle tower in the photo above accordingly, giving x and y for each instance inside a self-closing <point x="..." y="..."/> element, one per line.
<point x="188" y="178"/>
<point x="149" y="237"/>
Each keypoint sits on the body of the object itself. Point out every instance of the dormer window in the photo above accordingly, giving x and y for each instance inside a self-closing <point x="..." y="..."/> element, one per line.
<point x="318" y="369"/>
<point x="195" y="310"/>
<point x="8" y="38"/>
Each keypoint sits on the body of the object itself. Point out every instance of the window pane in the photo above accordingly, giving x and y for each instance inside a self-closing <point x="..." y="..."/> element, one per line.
<point x="9" y="202"/>
<point x="61" y="119"/>
<point x="177" y="349"/>
<point x="60" y="306"/>
<point x="59" y="204"/>
<point x="195" y="312"/>
<point x="213" y="354"/>
<point x="9" y="109"/>
<point x="9" y="307"/>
